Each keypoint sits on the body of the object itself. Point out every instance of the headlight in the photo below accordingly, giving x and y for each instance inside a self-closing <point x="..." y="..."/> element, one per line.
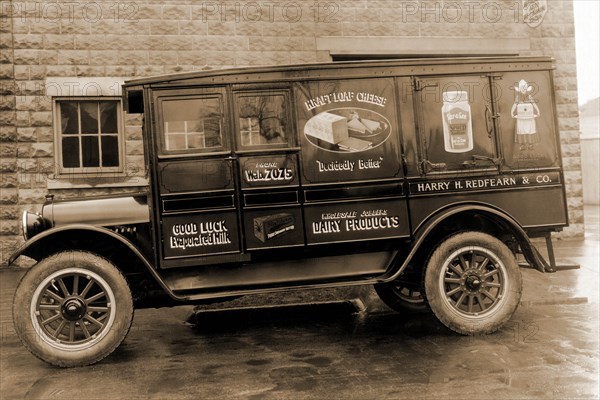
<point x="32" y="224"/>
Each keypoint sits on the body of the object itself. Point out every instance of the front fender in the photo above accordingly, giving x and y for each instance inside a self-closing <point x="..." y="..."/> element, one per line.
<point x="44" y="243"/>
<point x="55" y="240"/>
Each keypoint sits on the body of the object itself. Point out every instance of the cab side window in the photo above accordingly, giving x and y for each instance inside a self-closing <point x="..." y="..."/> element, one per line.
<point x="454" y="129"/>
<point x="262" y="120"/>
<point x="192" y="124"/>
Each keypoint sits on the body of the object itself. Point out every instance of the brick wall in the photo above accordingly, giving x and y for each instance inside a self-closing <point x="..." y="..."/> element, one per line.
<point x="91" y="39"/>
<point x="8" y="143"/>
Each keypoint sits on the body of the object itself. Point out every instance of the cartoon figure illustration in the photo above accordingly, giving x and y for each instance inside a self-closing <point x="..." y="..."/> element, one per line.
<point x="525" y="111"/>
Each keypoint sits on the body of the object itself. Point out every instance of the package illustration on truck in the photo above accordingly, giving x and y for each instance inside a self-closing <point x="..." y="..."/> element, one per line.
<point x="407" y="175"/>
<point x="271" y="226"/>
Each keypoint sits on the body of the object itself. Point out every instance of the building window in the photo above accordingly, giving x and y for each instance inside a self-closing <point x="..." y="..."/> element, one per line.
<point x="89" y="135"/>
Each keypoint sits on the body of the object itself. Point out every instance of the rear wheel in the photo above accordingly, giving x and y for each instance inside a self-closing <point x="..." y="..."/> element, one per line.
<point x="402" y="297"/>
<point x="473" y="283"/>
<point x="73" y="308"/>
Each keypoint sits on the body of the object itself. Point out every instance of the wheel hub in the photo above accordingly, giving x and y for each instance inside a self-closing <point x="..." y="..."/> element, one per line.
<point x="73" y="309"/>
<point x="473" y="283"/>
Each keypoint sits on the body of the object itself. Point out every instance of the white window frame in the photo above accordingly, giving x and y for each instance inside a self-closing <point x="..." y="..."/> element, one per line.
<point x="87" y="171"/>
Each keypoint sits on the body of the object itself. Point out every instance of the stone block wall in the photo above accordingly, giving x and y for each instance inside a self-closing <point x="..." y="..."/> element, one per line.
<point x="42" y="40"/>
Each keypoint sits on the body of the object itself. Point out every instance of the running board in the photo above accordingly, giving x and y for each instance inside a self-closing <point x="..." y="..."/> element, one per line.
<point x="221" y="279"/>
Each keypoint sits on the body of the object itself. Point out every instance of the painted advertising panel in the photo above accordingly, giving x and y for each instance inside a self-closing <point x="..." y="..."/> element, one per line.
<point x="200" y="234"/>
<point x="526" y="120"/>
<point x="481" y="183"/>
<point x="343" y="222"/>
<point x="271" y="170"/>
<point x="348" y="130"/>
<point x="274" y="227"/>
<point x="455" y="125"/>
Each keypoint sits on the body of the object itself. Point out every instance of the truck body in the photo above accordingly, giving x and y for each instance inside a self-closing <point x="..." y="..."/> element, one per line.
<point x="424" y="177"/>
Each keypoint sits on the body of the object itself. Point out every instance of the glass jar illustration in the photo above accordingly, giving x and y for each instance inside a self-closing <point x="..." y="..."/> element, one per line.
<point x="458" y="130"/>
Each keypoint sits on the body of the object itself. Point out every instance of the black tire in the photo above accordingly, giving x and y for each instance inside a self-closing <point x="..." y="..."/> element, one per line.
<point x="402" y="297"/>
<point x="73" y="308"/>
<point x="473" y="284"/>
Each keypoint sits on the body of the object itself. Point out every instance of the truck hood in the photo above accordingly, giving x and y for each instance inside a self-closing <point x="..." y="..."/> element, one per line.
<point x="101" y="211"/>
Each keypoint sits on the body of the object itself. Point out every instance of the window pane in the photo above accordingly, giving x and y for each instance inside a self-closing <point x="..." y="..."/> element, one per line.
<point x="192" y="124"/>
<point x="197" y="141"/>
<point x="68" y="118"/>
<point x="89" y="117"/>
<point x="176" y="142"/>
<point x="108" y="117"/>
<point x="263" y="120"/>
<point x="110" y="151"/>
<point x="212" y="131"/>
<point x="70" y="152"/>
<point x="91" y="154"/>
<point x="177" y="126"/>
<point x="250" y="131"/>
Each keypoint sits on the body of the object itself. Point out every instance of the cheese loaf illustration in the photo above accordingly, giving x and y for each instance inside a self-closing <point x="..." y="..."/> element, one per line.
<point x="363" y="126"/>
<point x="329" y="127"/>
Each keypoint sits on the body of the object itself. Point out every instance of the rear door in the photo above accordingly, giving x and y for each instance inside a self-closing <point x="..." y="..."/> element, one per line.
<point x="455" y="125"/>
<point x="488" y="139"/>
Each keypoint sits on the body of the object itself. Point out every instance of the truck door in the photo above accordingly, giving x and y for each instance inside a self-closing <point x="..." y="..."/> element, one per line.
<point x="455" y="124"/>
<point x="526" y="124"/>
<point x="194" y="198"/>
<point x="526" y="120"/>
<point x="267" y="157"/>
<point x="450" y="141"/>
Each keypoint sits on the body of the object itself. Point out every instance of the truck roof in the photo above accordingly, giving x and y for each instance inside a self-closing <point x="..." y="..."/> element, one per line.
<point x="345" y="69"/>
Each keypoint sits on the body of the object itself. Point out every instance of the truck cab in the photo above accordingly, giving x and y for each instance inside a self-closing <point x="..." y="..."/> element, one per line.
<point x="426" y="178"/>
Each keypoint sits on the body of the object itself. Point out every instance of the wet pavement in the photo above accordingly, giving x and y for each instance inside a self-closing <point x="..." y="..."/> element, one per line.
<point x="549" y="350"/>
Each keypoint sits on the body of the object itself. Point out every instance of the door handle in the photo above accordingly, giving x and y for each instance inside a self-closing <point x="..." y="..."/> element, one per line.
<point x="488" y="117"/>
<point x="427" y="166"/>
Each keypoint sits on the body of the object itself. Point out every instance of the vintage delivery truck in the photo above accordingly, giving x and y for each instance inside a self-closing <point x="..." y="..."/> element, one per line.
<point x="426" y="178"/>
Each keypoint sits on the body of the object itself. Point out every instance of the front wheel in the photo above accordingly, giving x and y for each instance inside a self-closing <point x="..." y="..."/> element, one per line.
<point x="473" y="283"/>
<point x="72" y="309"/>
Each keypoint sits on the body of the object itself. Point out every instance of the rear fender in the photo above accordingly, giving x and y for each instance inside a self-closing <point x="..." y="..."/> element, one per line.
<point x="498" y="217"/>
